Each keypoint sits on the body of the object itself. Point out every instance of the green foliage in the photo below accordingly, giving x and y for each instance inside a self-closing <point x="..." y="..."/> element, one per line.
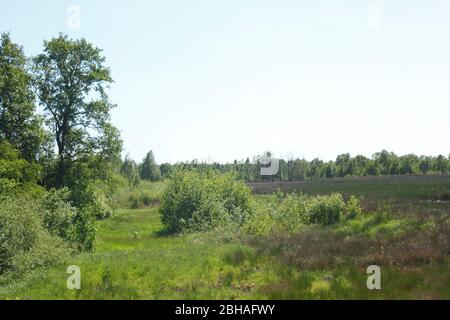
<point x="293" y="212"/>
<point x="166" y="169"/>
<point x="85" y="227"/>
<point x="380" y="164"/>
<point x="7" y="187"/>
<point x="117" y="193"/>
<point x="83" y="180"/>
<point x="353" y="209"/>
<point x="77" y="226"/>
<point x="381" y="224"/>
<point x="207" y="266"/>
<point x="72" y="71"/>
<point x="24" y="242"/>
<point x="13" y="167"/>
<point x="130" y="170"/>
<point x="203" y="200"/>
<point x="148" y="169"/>
<point x="16" y="174"/>
<point x="209" y="214"/>
<point x="100" y="204"/>
<point x="58" y="214"/>
<point x="143" y="195"/>
<point x="325" y="210"/>
<point x="18" y="122"/>
<point x="112" y="191"/>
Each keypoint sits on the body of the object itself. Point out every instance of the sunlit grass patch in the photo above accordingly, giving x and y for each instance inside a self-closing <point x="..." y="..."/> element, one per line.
<point x="135" y="259"/>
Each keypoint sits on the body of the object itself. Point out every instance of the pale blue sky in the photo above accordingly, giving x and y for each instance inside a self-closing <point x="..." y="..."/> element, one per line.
<point x="225" y="80"/>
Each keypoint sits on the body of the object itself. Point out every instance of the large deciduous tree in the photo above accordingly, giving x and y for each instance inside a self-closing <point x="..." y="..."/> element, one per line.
<point x="18" y="122"/>
<point x="70" y="80"/>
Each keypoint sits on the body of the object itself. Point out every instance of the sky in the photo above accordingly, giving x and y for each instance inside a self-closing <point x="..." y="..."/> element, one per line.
<point x="223" y="80"/>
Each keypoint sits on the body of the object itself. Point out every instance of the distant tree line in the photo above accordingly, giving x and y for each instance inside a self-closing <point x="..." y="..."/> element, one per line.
<point x="146" y="170"/>
<point x="382" y="163"/>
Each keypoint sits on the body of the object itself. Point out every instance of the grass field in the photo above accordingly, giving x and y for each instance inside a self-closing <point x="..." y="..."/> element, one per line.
<point x="135" y="259"/>
<point x="415" y="188"/>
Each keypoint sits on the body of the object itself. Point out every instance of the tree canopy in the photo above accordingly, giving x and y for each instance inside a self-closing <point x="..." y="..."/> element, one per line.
<point x="19" y="124"/>
<point x="70" y="80"/>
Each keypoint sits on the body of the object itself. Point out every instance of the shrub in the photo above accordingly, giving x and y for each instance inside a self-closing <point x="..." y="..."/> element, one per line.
<point x="119" y="194"/>
<point x="293" y="212"/>
<point x="203" y="200"/>
<point x="85" y="228"/>
<point x="353" y="208"/>
<point x="76" y="225"/>
<point x="100" y="205"/>
<point x="7" y="187"/>
<point x="262" y="221"/>
<point x="142" y="197"/>
<point x="24" y="242"/>
<point x="58" y="213"/>
<point x="13" y="167"/>
<point x="325" y="210"/>
<point x="209" y="214"/>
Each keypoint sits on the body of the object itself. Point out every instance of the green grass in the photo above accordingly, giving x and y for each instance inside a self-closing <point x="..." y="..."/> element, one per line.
<point x="136" y="260"/>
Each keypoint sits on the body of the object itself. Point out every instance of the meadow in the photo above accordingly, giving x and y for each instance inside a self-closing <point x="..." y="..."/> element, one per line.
<point x="195" y="230"/>
<point x="404" y="227"/>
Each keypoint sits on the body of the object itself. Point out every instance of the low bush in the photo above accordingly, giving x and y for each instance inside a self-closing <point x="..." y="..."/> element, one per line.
<point x="85" y="228"/>
<point x="292" y="212"/>
<point x="325" y="210"/>
<point x="7" y="187"/>
<point x="354" y="209"/>
<point x="145" y="194"/>
<point x="24" y="241"/>
<point x="117" y="193"/>
<point x="57" y="213"/>
<point x="203" y="200"/>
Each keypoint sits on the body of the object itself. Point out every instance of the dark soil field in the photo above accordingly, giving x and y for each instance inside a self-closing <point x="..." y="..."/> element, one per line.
<point x="416" y="188"/>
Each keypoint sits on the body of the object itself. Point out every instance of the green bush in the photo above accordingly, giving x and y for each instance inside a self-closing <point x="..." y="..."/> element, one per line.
<point x="353" y="209"/>
<point x="13" y="167"/>
<point x="325" y="210"/>
<point x="7" y="187"/>
<point x="24" y="242"/>
<point x="203" y="200"/>
<point x="77" y="226"/>
<point x="85" y="228"/>
<point x="142" y="197"/>
<point x="58" y="214"/>
<point x="118" y="193"/>
<point x="262" y="221"/>
<point x="100" y="205"/>
<point x="289" y="213"/>
<point x="209" y="214"/>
